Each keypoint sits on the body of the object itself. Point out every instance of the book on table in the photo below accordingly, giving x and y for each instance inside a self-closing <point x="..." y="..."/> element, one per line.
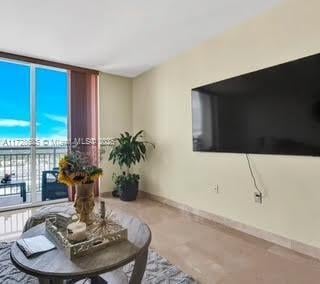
<point x="35" y="245"/>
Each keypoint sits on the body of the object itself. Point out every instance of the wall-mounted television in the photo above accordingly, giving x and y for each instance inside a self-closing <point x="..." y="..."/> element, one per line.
<point x="271" y="111"/>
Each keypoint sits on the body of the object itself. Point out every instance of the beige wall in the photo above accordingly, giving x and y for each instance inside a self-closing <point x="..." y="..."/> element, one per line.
<point x="115" y="95"/>
<point x="162" y="106"/>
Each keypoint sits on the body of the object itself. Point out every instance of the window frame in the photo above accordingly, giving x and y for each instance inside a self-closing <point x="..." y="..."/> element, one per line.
<point x="33" y="125"/>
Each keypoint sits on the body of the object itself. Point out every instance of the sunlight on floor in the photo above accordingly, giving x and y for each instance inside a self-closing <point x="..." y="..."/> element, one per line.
<point x="12" y="222"/>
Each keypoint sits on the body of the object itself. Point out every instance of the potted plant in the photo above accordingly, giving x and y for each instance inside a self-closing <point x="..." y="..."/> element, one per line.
<point x="127" y="151"/>
<point x="76" y="169"/>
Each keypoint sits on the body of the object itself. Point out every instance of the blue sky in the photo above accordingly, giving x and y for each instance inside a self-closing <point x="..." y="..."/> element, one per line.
<point x="51" y="98"/>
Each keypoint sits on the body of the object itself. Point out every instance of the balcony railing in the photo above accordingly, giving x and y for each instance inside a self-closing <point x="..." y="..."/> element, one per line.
<point x="18" y="161"/>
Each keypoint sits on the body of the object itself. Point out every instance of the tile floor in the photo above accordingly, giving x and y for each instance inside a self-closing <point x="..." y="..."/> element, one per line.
<point x="210" y="252"/>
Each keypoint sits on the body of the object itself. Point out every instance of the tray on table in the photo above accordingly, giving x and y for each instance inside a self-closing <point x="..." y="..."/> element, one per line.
<point x="98" y="237"/>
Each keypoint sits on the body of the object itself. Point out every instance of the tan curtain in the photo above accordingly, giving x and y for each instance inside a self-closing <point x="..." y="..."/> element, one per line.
<point x="84" y="115"/>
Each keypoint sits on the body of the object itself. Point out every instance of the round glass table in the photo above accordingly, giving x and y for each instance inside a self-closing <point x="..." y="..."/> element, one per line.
<point x="101" y="266"/>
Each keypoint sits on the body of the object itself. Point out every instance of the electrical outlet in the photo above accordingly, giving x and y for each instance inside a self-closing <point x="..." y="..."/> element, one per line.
<point x="216" y="188"/>
<point x="258" y="197"/>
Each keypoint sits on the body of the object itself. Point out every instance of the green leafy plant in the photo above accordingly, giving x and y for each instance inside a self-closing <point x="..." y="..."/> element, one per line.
<point x="125" y="180"/>
<point x="128" y="150"/>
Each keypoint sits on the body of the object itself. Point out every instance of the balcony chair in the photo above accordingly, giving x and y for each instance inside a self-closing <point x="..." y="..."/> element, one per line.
<point x="51" y="187"/>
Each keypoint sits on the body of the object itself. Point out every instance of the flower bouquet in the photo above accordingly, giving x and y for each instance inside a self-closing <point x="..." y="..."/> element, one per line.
<point x="76" y="169"/>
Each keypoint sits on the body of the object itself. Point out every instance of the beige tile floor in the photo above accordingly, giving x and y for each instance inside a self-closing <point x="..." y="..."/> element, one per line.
<point x="211" y="253"/>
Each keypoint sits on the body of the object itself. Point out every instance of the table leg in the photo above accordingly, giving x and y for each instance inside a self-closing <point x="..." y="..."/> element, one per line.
<point x="139" y="267"/>
<point x="50" y="281"/>
<point x="98" y="280"/>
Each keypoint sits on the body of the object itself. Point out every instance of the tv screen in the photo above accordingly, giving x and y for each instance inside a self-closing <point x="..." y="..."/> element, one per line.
<point x="271" y="111"/>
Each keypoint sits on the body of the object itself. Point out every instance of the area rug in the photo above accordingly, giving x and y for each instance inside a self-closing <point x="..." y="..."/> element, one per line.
<point x="8" y="272"/>
<point x="158" y="271"/>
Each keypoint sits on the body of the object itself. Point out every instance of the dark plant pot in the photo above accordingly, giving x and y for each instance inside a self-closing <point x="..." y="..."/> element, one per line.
<point x="115" y="193"/>
<point x="129" y="192"/>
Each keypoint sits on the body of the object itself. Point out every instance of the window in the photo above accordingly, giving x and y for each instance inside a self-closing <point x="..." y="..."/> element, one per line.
<point x="33" y="129"/>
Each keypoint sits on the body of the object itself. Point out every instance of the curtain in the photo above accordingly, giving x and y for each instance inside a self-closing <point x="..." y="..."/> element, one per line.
<point x="84" y="116"/>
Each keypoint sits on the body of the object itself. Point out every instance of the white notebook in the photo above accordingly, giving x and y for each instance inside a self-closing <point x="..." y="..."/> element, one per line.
<point x="35" y="245"/>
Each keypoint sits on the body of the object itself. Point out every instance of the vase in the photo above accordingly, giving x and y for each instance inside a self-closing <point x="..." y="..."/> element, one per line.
<point x="84" y="202"/>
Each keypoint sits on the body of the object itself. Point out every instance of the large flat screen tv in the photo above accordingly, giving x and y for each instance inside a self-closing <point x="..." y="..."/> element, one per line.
<point x="270" y="111"/>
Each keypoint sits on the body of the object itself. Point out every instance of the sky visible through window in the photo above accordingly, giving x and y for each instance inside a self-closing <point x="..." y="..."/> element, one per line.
<point x="51" y="91"/>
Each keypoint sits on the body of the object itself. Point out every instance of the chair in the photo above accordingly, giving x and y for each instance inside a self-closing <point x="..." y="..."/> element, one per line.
<point x="51" y="187"/>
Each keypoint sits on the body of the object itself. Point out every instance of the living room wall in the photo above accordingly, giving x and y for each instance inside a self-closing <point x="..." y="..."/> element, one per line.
<point x="162" y="107"/>
<point x="115" y="102"/>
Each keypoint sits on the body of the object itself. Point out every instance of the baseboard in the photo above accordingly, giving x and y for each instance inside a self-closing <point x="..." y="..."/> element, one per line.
<point x="270" y="237"/>
<point x="106" y="194"/>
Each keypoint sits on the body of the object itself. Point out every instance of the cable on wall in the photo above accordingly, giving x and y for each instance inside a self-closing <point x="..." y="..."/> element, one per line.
<point x="252" y="175"/>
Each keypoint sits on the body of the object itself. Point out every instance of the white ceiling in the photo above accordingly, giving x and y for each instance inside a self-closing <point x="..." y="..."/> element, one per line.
<point x="124" y="37"/>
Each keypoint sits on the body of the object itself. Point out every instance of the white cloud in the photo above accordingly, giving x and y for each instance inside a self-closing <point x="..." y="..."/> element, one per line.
<point x="58" y="118"/>
<point x="6" y="122"/>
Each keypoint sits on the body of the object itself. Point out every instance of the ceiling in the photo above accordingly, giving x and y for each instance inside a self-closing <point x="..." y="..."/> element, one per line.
<point x="123" y="37"/>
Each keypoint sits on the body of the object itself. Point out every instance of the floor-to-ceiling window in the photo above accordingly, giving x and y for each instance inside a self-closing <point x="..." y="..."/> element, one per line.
<point x="33" y="131"/>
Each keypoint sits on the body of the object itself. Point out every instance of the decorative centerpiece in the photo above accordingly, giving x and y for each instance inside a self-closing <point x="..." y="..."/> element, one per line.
<point x="78" y="239"/>
<point x="76" y="169"/>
